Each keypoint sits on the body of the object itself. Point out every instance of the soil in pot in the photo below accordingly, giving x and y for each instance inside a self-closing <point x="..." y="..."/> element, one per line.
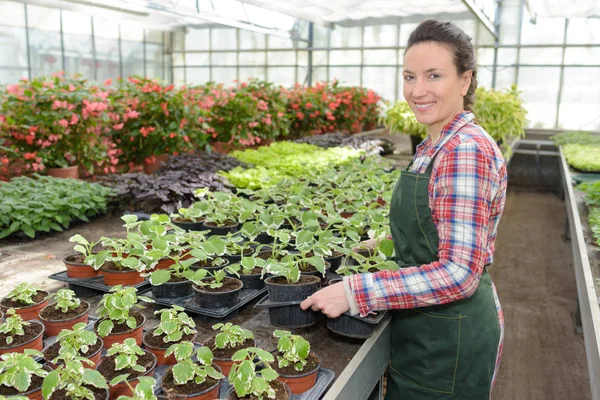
<point x="157" y="345"/>
<point x="221" y="229"/>
<point x="208" y="265"/>
<point x="236" y="258"/>
<point x="281" y="392"/>
<point x="50" y="313"/>
<point x="99" y="394"/>
<point x="114" y="275"/>
<point x="226" y="296"/>
<point x="32" y="334"/>
<point x="210" y="386"/>
<point x="299" y="381"/>
<point x="121" y="332"/>
<point x="107" y="367"/>
<point x="51" y="352"/>
<point x="175" y="287"/>
<point x="222" y="357"/>
<point x="36" y="384"/>
<point x="26" y="311"/>
<point x="76" y="268"/>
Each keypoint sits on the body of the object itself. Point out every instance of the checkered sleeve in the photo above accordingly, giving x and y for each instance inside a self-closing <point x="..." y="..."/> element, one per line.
<point x="462" y="184"/>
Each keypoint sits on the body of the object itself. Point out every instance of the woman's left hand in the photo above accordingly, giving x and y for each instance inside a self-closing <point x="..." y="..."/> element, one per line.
<point x="331" y="301"/>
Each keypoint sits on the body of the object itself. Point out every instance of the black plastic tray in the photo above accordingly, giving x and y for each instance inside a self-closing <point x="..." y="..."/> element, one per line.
<point x="96" y="283"/>
<point x="189" y="303"/>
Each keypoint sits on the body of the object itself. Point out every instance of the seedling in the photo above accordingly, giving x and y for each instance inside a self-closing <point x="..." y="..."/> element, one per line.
<point x="377" y="259"/>
<point x="231" y="335"/>
<point x="13" y="326"/>
<point x="187" y="370"/>
<point x="66" y="300"/>
<point x="17" y="369"/>
<point x="77" y="341"/>
<point x="293" y="350"/>
<point x="73" y="377"/>
<point x="144" y="390"/>
<point x="115" y="307"/>
<point x="126" y="355"/>
<point x="174" y="323"/>
<point x="244" y="377"/>
<point x="218" y="276"/>
<point x="24" y="293"/>
<point x="87" y="249"/>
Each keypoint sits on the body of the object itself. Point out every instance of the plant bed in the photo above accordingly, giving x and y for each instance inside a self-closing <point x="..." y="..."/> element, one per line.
<point x="121" y="331"/>
<point x="77" y="269"/>
<point x="96" y="283"/>
<point x="174" y="288"/>
<point x="28" y="309"/>
<point x="228" y="226"/>
<point x="107" y="368"/>
<point x="225" y="296"/>
<point x="282" y="392"/>
<point x="288" y="314"/>
<point x="55" y="320"/>
<point x="32" y="338"/>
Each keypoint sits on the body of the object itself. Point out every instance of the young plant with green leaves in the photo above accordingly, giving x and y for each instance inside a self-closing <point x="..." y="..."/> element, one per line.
<point x="144" y="390"/>
<point x="187" y="370"/>
<point x="66" y="300"/>
<point x="230" y="335"/>
<point x="72" y="377"/>
<point x="174" y="324"/>
<point x="126" y="355"/>
<point x="24" y="293"/>
<point x="86" y="248"/>
<point x="369" y="260"/>
<point x="293" y="350"/>
<point x="179" y="269"/>
<point x="245" y="378"/>
<point x="214" y="279"/>
<point x="17" y="369"/>
<point x="76" y="341"/>
<point x="12" y="326"/>
<point x="115" y="308"/>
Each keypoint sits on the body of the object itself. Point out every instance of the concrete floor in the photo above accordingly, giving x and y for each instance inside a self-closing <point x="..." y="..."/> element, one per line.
<point x="543" y="357"/>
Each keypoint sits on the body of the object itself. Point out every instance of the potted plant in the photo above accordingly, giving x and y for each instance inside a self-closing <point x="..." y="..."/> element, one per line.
<point x="248" y="383"/>
<point x="401" y="119"/>
<point x="191" y="218"/>
<point x="17" y="335"/>
<point x="222" y="216"/>
<point x="175" y="326"/>
<point x="27" y="300"/>
<point x="188" y="379"/>
<point x="230" y="339"/>
<point x="296" y="365"/>
<point x="118" y="319"/>
<point x="144" y="390"/>
<point x="126" y="358"/>
<point x="71" y="380"/>
<point x="173" y="282"/>
<point x="251" y="272"/>
<point x="75" y="342"/>
<point x="76" y="263"/>
<point x="209" y="254"/>
<point x="64" y="313"/>
<point x="216" y="289"/>
<point x="236" y="246"/>
<point x="21" y="375"/>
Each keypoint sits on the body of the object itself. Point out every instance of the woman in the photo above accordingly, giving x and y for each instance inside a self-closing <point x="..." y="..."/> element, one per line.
<point x="447" y="324"/>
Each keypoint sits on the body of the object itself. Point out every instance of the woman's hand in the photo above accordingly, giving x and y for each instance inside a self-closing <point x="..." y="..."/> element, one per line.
<point x="369" y="244"/>
<point x="331" y="301"/>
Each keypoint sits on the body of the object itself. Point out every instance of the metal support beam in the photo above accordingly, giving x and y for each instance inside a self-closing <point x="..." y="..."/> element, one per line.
<point x="311" y="40"/>
<point x="562" y="75"/>
<point x="62" y="42"/>
<point x="496" y="41"/>
<point x="27" y="43"/>
<point x="470" y="4"/>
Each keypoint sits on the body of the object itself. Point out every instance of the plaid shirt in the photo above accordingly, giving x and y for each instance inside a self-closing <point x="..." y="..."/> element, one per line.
<point x="467" y="192"/>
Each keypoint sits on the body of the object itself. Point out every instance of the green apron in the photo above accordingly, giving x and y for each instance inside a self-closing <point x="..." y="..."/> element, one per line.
<point x="442" y="351"/>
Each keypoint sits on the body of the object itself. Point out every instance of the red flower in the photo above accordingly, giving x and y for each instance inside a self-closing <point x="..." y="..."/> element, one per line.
<point x="29" y="156"/>
<point x="300" y="116"/>
<point x="118" y="127"/>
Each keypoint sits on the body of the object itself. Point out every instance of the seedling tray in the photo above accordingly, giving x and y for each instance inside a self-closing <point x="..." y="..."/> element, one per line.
<point x="96" y="283"/>
<point x="354" y="326"/>
<point x="190" y="305"/>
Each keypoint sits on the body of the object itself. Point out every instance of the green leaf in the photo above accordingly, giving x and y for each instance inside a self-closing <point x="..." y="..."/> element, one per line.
<point x="94" y="378"/>
<point x="269" y="374"/>
<point x="48" y="386"/>
<point x="160" y="277"/>
<point x="118" y="379"/>
<point x="22" y="381"/>
<point x="28" y="230"/>
<point x="183" y="372"/>
<point x="105" y="328"/>
<point x="387" y="247"/>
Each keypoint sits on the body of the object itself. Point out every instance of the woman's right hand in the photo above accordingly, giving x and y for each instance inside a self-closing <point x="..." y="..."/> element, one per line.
<point x="368" y="244"/>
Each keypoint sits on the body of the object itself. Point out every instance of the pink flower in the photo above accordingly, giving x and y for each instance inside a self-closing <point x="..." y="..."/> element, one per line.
<point x="74" y="119"/>
<point x="130" y="114"/>
<point x="63" y="122"/>
<point x="267" y="121"/>
<point x="46" y="143"/>
<point x="13" y="89"/>
<point x="252" y="124"/>
<point x="29" y="156"/>
<point x="164" y="108"/>
<point x="172" y="135"/>
<point x="118" y="127"/>
<point x="300" y="116"/>
<point x="53" y="138"/>
<point x="280" y="114"/>
<point x="262" y="105"/>
<point x="108" y="82"/>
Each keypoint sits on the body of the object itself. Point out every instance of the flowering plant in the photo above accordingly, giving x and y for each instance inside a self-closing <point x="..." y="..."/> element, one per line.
<point x="148" y="118"/>
<point x="51" y="122"/>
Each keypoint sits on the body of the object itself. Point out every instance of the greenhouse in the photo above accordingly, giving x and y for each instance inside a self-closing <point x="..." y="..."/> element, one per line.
<point x="300" y="199"/>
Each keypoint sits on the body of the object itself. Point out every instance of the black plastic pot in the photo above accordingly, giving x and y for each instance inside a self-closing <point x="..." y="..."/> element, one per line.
<point x="236" y="258"/>
<point x="288" y="314"/>
<point x="264" y="238"/>
<point x="335" y="261"/>
<point x="317" y="273"/>
<point x="227" y="299"/>
<point x="354" y="326"/>
<point x="252" y="281"/>
<point x="220" y="230"/>
<point x="190" y="226"/>
<point x="294" y="292"/>
<point x="172" y="290"/>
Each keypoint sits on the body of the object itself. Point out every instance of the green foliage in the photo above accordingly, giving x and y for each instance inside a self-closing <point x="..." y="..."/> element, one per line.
<point x="174" y="323"/>
<point x="115" y="307"/>
<point x="230" y="335"/>
<point x="500" y="113"/>
<point x="17" y="369"/>
<point x="75" y="342"/>
<point x="293" y="350"/>
<point x="594" y="222"/>
<point x="24" y="293"/>
<point x="592" y="193"/>
<point x="126" y="355"/>
<point x="44" y="204"/>
<point x="73" y="377"/>
<point x="584" y="157"/>
<point x="401" y="119"/>
<point x="375" y="260"/>
<point x="66" y="300"/>
<point x="575" y="137"/>
<point x="186" y="370"/>
<point x="214" y="279"/>
<point x="83" y="246"/>
<point x="13" y="325"/>
<point x="244" y="378"/>
<point x="143" y="391"/>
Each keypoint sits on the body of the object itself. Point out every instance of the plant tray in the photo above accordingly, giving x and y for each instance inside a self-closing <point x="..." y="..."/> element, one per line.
<point x="190" y="305"/>
<point x="324" y="379"/>
<point x="354" y="326"/>
<point x="95" y="283"/>
<point x="584" y="178"/>
<point x="288" y="314"/>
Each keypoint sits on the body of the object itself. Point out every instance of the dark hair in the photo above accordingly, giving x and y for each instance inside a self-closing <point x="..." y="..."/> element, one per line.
<point x="459" y="43"/>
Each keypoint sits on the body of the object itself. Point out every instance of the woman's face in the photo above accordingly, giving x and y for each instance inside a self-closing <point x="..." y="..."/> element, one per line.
<point x="432" y="86"/>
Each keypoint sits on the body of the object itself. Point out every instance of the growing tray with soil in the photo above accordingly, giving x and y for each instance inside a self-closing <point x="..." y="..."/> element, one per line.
<point x="95" y="283"/>
<point x="37" y="298"/>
